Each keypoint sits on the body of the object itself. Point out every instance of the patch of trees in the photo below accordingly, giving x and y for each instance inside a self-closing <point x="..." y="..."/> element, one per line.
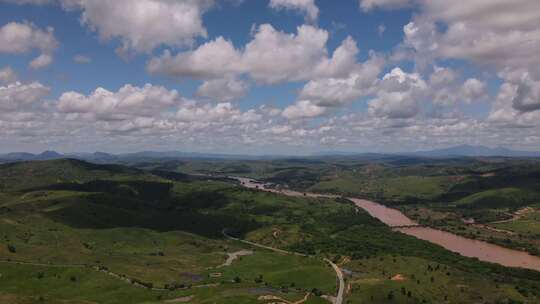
<point x="11" y="248"/>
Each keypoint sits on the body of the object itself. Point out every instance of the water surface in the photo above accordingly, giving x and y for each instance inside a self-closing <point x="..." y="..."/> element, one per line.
<point x="389" y="216"/>
<point x="475" y="249"/>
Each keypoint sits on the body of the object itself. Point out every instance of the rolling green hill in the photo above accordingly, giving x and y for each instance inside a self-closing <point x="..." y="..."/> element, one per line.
<point x="499" y="198"/>
<point x="27" y="175"/>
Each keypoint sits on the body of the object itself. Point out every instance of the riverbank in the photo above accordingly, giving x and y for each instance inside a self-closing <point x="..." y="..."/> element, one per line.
<point x="481" y="250"/>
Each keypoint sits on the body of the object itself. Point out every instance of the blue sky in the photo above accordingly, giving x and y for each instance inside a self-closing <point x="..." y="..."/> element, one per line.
<point x="267" y="76"/>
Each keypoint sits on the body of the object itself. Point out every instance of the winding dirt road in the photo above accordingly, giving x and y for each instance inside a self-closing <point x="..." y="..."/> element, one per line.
<point x="341" y="280"/>
<point x="339" y="273"/>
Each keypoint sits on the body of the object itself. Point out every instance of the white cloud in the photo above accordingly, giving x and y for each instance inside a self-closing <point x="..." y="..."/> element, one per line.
<point x="505" y="112"/>
<point x="527" y="97"/>
<point x="7" y="75"/>
<point x="394" y="105"/>
<point x="367" y="5"/>
<point x="20" y="38"/>
<point x="270" y="57"/>
<point x="342" y="62"/>
<point x="502" y="34"/>
<point x="41" y="61"/>
<point x="144" y="25"/>
<point x="214" y="114"/>
<point x="398" y="95"/>
<point x="17" y="38"/>
<point x="333" y="91"/>
<point x="142" y="114"/>
<point x="82" y="59"/>
<point x="381" y="29"/>
<point x="128" y="102"/>
<point x="399" y="81"/>
<point x="213" y="59"/>
<point x="442" y="76"/>
<point x="446" y="89"/>
<point x="339" y="91"/>
<point x="303" y="109"/>
<point x="473" y="90"/>
<point x="18" y="96"/>
<point x="280" y="130"/>
<point x="223" y="89"/>
<point x="273" y="56"/>
<point x="308" y="7"/>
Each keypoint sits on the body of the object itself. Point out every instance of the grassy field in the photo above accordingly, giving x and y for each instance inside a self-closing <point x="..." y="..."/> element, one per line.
<point x="397" y="189"/>
<point x="529" y="224"/>
<point x="389" y="279"/>
<point x="160" y="258"/>
<point x="38" y="284"/>
<point x="512" y="198"/>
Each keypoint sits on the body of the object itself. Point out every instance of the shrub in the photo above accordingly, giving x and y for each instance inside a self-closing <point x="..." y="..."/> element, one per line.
<point x="12" y="248"/>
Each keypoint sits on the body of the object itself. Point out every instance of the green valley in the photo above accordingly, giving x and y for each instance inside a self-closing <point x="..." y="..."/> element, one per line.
<point x="75" y="232"/>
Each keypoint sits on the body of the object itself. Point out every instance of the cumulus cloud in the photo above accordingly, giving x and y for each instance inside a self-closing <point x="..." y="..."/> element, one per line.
<point x="447" y="88"/>
<point x="153" y="112"/>
<point x="20" y="38"/>
<point x="7" y="75"/>
<point x="505" y="112"/>
<point x="274" y="56"/>
<point x="398" y="95"/>
<point x="442" y="76"/>
<point x="128" y="102"/>
<point x="473" y="90"/>
<point x="270" y="57"/>
<point x="280" y="129"/>
<point x="143" y="25"/>
<point x="41" y="61"/>
<point x="223" y="89"/>
<point x="340" y="91"/>
<point x="214" y="114"/>
<point x="527" y="97"/>
<point x="303" y="109"/>
<point x="307" y="7"/>
<point x="18" y="96"/>
<point x="213" y="59"/>
<point x="393" y="105"/>
<point x="498" y="33"/>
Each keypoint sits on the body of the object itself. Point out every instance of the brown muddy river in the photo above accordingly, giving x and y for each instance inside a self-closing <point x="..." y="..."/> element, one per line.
<point x="394" y="218"/>
<point x="389" y="216"/>
<point x="475" y="249"/>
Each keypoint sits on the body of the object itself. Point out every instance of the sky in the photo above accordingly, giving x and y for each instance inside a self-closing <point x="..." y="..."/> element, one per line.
<point x="291" y="77"/>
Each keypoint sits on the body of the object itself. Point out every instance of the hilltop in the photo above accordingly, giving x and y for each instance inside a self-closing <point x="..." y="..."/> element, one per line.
<point x="32" y="174"/>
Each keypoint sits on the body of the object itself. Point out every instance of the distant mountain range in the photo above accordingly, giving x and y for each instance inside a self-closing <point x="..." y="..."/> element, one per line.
<point x="475" y="151"/>
<point x="16" y="156"/>
<point x="457" y="151"/>
<point x="102" y="157"/>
